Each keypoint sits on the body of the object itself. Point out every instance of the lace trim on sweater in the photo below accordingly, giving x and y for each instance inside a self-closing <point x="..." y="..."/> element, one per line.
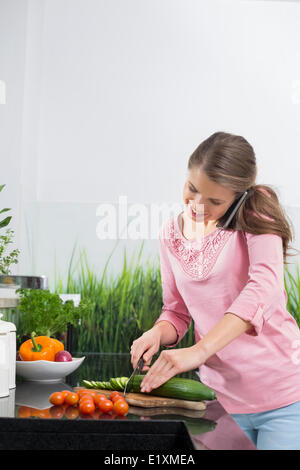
<point x="196" y="260"/>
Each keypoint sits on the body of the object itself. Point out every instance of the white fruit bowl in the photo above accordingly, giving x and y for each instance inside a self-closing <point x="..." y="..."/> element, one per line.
<point x="47" y="371"/>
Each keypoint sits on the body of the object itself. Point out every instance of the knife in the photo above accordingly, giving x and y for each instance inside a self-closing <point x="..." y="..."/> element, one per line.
<point x="137" y="370"/>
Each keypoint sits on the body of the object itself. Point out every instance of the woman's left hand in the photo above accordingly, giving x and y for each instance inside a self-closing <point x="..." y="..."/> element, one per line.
<point x="169" y="363"/>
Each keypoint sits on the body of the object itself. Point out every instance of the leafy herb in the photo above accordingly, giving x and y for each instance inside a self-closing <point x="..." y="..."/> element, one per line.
<point x="5" y="240"/>
<point x="46" y="313"/>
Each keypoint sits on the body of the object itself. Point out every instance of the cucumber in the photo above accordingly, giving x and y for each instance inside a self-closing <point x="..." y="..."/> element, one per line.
<point x="177" y="387"/>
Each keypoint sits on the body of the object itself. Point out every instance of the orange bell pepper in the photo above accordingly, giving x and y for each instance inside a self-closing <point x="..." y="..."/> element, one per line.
<point x="58" y="345"/>
<point x="39" y="348"/>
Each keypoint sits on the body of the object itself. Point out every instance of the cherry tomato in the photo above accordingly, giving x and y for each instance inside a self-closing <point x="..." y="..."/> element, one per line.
<point x="86" y="394"/>
<point x="81" y="391"/>
<point x="91" y="392"/>
<point x="87" y="407"/>
<point x="121" y="407"/>
<point x="72" y="398"/>
<point x="57" y="398"/>
<point x="116" y="398"/>
<point x="99" y="398"/>
<point x="114" y="394"/>
<point x="86" y="400"/>
<point x="106" y="406"/>
<point x="101" y="395"/>
<point x="65" y="392"/>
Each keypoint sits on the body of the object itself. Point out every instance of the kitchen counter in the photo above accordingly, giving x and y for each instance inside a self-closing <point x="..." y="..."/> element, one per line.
<point x="210" y="429"/>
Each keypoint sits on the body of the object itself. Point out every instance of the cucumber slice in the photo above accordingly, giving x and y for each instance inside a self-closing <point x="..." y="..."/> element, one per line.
<point x="107" y="386"/>
<point x="87" y="383"/>
<point x="114" y="381"/>
<point x="99" y="384"/>
<point x="124" y="381"/>
<point x="118" y="380"/>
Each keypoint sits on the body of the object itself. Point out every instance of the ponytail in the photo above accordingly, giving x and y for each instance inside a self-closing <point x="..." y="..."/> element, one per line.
<point x="260" y="212"/>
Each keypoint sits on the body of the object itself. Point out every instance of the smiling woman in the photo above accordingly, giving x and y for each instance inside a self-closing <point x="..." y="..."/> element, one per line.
<point x="231" y="285"/>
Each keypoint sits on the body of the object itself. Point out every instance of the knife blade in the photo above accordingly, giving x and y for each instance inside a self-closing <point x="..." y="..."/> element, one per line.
<point x="137" y="370"/>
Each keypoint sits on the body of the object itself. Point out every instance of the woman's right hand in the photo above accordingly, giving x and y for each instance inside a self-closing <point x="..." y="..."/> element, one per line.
<point x="146" y="345"/>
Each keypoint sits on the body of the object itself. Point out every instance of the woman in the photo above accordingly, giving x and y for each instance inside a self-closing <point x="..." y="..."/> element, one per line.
<point x="229" y="279"/>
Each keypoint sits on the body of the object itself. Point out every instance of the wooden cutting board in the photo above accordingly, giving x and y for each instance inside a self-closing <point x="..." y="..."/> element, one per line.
<point x="147" y="401"/>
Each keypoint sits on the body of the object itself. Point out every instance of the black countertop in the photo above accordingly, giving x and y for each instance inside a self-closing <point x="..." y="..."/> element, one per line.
<point x="27" y="407"/>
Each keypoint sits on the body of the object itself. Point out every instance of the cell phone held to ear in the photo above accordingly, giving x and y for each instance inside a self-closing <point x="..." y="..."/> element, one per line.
<point x="235" y="206"/>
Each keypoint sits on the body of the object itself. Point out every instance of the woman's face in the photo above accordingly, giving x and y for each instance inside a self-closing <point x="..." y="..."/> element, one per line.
<point x="209" y="199"/>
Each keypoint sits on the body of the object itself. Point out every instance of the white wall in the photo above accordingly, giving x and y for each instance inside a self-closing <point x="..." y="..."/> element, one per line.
<point x="114" y="97"/>
<point x="13" y="17"/>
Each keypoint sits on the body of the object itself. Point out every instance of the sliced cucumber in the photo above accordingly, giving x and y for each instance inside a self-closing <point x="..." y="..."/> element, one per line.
<point x="124" y="381"/>
<point x="99" y="385"/>
<point x="118" y="380"/>
<point x="87" y="383"/>
<point x="114" y="381"/>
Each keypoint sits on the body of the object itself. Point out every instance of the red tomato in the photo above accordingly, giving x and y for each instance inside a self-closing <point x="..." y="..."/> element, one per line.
<point x="57" y="398"/>
<point x="85" y="395"/>
<point x="106" y="406"/>
<point x="114" y="394"/>
<point x="71" y="399"/>
<point x="121" y="407"/>
<point x="81" y="391"/>
<point x="86" y="400"/>
<point x="84" y="391"/>
<point x="87" y="407"/>
<point x="120" y="398"/>
<point x="99" y="398"/>
<point x="117" y="397"/>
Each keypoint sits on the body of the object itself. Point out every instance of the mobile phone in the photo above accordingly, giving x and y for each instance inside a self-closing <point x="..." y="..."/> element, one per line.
<point x="235" y="209"/>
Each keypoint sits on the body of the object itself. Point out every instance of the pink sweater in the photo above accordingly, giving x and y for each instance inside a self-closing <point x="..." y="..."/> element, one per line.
<point x="241" y="273"/>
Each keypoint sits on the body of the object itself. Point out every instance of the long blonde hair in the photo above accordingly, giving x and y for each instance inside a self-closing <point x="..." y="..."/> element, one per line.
<point x="230" y="161"/>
